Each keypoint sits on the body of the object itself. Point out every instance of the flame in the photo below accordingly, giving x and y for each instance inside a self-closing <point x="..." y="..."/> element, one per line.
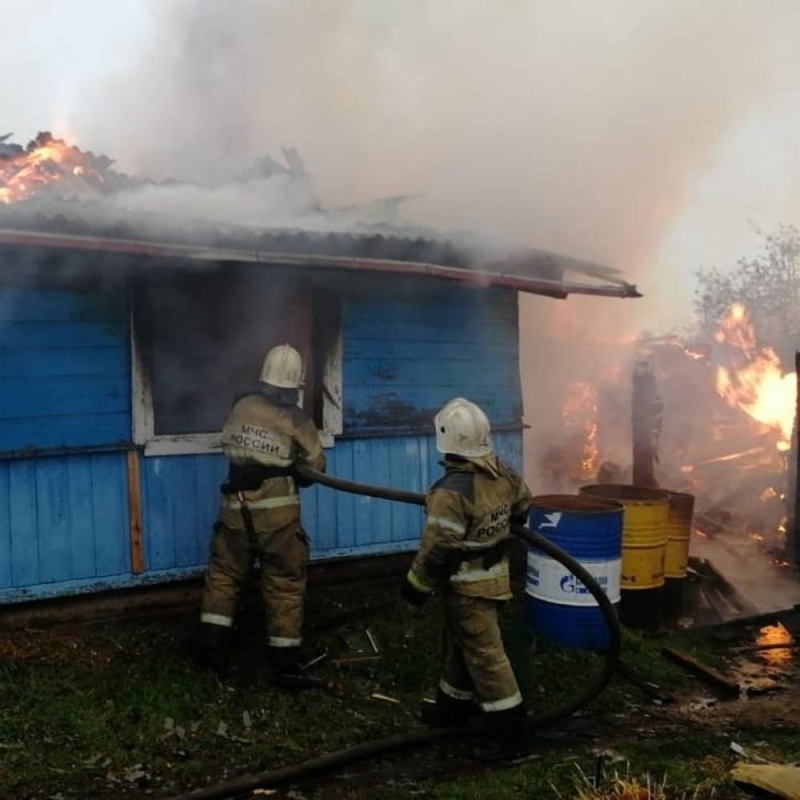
<point x="580" y="418"/>
<point x="759" y="386"/>
<point x="775" y="635"/>
<point x="45" y="161"/>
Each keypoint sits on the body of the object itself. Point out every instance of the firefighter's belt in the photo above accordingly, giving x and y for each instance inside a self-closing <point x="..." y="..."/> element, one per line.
<point x="250" y="477"/>
<point x="238" y="501"/>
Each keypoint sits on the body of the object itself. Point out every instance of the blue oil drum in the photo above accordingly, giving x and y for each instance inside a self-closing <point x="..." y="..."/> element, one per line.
<point x="559" y="607"/>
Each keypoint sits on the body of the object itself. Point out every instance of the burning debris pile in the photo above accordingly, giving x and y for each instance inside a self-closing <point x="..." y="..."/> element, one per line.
<point x="48" y="172"/>
<point x="50" y="185"/>
<point x="726" y="435"/>
<point x="50" y="168"/>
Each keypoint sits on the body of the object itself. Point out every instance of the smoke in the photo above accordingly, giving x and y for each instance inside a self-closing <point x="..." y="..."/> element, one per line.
<point x="574" y="126"/>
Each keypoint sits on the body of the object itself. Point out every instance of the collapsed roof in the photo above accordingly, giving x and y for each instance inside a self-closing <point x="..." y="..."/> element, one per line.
<point x="53" y="195"/>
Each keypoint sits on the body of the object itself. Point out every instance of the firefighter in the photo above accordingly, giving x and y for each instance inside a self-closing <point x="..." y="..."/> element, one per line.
<point x="462" y="556"/>
<point x="265" y="436"/>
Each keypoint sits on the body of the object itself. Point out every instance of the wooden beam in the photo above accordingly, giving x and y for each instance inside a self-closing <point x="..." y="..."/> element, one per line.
<point x="646" y="409"/>
<point x="702" y="671"/>
<point x="135" y="512"/>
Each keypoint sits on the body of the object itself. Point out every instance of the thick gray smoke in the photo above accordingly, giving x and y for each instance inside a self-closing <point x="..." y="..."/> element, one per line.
<point x="574" y="126"/>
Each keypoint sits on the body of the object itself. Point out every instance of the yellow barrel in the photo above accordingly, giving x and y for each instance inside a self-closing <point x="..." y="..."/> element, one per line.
<point x="644" y="545"/>
<point x="679" y="528"/>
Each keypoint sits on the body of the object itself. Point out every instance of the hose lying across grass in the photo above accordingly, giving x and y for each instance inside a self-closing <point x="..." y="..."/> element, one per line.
<point x="272" y="778"/>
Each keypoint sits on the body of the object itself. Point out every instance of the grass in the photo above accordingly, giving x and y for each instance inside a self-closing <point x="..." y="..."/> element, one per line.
<point x="119" y="710"/>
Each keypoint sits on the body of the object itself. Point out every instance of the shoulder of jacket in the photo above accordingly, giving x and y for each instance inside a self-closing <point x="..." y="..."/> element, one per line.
<point x="458" y="481"/>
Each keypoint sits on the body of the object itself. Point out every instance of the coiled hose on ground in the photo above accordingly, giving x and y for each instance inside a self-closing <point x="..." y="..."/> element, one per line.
<point x="305" y="769"/>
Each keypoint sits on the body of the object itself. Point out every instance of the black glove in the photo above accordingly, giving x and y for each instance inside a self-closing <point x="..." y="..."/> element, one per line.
<point x="413" y="596"/>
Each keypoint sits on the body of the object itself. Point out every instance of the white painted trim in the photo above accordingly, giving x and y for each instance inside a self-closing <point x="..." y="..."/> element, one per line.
<point x="332" y="407"/>
<point x="184" y="444"/>
<point x="141" y="390"/>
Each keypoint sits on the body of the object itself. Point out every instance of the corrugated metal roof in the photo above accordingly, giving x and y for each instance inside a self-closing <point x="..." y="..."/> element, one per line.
<point x="528" y="270"/>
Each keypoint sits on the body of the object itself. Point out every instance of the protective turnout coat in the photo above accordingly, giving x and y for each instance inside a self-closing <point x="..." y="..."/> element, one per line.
<point x="462" y="554"/>
<point x="265" y="436"/>
<point x="468" y="518"/>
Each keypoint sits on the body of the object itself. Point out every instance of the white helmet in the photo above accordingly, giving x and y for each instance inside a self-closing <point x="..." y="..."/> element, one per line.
<point x="283" y="368"/>
<point x="463" y="429"/>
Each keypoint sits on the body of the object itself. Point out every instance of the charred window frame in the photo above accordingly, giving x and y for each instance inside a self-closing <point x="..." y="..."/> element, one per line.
<point x="198" y="341"/>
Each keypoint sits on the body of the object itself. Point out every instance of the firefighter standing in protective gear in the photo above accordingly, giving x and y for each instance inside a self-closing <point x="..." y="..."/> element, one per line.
<point x="462" y="556"/>
<point x="265" y="436"/>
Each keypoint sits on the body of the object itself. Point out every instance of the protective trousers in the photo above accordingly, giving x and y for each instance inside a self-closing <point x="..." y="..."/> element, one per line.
<point x="476" y="666"/>
<point x="283" y="555"/>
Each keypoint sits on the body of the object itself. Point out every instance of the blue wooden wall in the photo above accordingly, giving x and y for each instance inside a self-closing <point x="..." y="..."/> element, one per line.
<point x="64" y="369"/>
<point x="408" y="351"/>
<point x="65" y="382"/>
<point x="63" y="525"/>
<point x="180" y="495"/>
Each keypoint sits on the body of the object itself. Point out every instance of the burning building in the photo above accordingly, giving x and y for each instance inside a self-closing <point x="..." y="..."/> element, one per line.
<point x="125" y="333"/>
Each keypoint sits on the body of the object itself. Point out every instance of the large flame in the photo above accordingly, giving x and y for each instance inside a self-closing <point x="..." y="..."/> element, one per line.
<point x="44" y="162"/>
<point x="757" y="385"/>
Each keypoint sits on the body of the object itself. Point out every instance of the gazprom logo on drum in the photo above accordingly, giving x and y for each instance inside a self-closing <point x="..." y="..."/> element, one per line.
<point x="569" y="584"/>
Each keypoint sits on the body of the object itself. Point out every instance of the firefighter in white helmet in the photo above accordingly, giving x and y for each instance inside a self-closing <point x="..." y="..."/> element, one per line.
<point x="265" y="436"/>
<point x="462" y="556"/>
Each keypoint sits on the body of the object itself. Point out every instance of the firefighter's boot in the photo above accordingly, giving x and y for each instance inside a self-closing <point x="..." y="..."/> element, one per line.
<point x="509" y="736"/>
<point x="446" y="712"/>
<point x="211" y="647"/>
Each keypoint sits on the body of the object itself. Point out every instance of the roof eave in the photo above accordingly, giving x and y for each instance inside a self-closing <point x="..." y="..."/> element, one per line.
<point x="542" y="286"/>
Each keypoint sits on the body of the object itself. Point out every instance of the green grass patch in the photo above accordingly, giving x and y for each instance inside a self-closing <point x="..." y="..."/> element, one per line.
<point x="121" y="705"/>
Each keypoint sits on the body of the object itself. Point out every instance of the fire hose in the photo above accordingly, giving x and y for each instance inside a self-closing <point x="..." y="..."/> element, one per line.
<point x="611" y="657"/>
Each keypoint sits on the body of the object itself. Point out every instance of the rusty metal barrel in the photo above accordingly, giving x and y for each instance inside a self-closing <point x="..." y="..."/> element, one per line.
<point x="644" y="545"/>
<point x="679" y="529"/>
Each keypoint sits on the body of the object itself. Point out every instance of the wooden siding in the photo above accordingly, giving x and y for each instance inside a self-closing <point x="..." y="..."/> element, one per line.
<point x="180" y="500"/>
<point x="407" y="353"/>
<point x="345" y="524"/>
<point x="180" y="497"/>
<point x="64" y="370"/>
<point x="63" y="521"/>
